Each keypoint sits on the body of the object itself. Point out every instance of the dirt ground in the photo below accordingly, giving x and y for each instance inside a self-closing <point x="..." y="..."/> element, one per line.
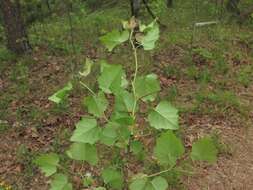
<point x="233" y="170"/>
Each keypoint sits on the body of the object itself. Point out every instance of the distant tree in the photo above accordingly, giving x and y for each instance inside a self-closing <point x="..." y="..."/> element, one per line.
<point x="17" y="40"/>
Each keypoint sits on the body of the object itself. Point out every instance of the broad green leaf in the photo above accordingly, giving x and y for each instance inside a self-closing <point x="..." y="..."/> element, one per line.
<point x="109" y="134"/>
<point x="168" y="149"/>
<point x="86" y="131"/>
<point x="144" y="27"/>
<point x="159" y="183"/>
<point x="136" y="147"/>
<point x="164" y="116"/>
<point x="123" y="118"/>
<point x="110" y="80"/>
<point x="96" y="104"/>
<point x="87" y="67"/>
<point x="124" y="101"/>
<point x="139" y="184"/>
<point x="48" y="163"/>
<point x="83" y="152"/>
<point x="114" y="38"/>
<point x="146" y="87"/>
<point x="123" y="137"/>
<point x="61" y="94"/>
<point x="60" y="182"/>
<point x="204" y="150"/>
<point x="113" y="178"/>
<point x="151" y="35"/>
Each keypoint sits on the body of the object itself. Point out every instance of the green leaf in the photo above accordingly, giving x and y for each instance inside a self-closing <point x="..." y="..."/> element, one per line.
<point x="123" y="118"/>
<point x="113" y="178"/>
<point x="96" y="104"/>
<point x="165" y="116"/>
<point x="114" y="38"/>
<point x="83" y="152"/>
<point x="136" y="147"/>
<point x="168" y="148"/>
<point x="87" y="67"/>
<point x="61" y="94"/>
<point x="159" y="183"/>
<point x="86" y="131"/>
<point x="124" y="102"/>
<point x="146" y="87"/>
<point x="99" y="188"/>
<point x="87" y="181"/>
<point x="60" y="182"/>
<point x="204" y="150"/>
<point x="151" y="35"/>
<point x="110" y="80"/>
<point x="109" y="134"/>
<point x="139" y="184"/>
<point x="48" y="163"/>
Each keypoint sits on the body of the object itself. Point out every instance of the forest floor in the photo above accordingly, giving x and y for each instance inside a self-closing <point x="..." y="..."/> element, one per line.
<point x="212" y="85"/>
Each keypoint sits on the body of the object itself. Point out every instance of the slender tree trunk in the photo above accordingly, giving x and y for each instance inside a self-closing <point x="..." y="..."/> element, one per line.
<point x="169" y="3"/>
<point x="135" y="7"/>
<point x="17" y="40"/>
<point x="232" y="6"/>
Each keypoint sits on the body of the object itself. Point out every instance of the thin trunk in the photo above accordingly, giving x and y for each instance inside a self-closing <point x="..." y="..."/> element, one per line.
<point x="169" y="3"/>
<point x="232" y="6"/>
<point x="17" y="40"/>
<point x="135" y="7"/>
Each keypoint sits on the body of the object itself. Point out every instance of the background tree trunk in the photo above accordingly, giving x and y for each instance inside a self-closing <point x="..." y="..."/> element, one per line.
<point x="169" y="3"/>
<point x="17" y="40"/>
<point x="232" y="6"/>
<point x="135" y="7"/>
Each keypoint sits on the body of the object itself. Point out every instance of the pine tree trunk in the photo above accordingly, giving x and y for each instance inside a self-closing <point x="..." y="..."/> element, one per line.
<point x="17" y="40"/>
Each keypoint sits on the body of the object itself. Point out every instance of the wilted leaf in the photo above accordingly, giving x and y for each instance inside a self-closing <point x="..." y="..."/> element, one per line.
<point x="87" y="67"/>
<point x="61" y="94"/>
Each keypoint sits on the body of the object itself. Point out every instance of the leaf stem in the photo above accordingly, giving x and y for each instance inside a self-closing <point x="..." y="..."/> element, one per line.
<point x="88" y="88"/>
<point x="161" y="172"/>
<point x="136" y="70"/>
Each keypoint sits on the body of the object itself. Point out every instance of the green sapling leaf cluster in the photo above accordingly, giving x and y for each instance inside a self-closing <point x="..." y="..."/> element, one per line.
<point x="120" y="128"/>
